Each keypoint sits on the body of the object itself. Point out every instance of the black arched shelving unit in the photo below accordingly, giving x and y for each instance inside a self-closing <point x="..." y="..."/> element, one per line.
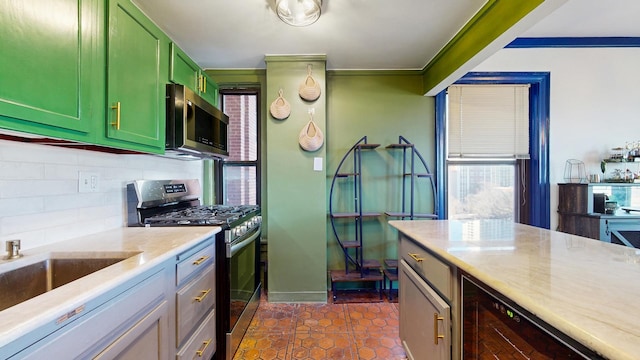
<point x="357" y="268"/>
<point x="415" y="172"/>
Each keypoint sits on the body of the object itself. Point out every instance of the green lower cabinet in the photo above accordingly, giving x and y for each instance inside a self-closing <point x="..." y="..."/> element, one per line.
<point x="137" y="74"/>
<point x="48" y="67"/>
<point x="186" y="72"/>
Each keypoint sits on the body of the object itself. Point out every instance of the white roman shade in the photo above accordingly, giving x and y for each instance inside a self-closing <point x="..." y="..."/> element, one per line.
<point x="488" y="121"/>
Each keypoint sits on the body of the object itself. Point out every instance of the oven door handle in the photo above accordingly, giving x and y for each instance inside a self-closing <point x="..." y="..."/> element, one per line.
<point x="232" y="249"/>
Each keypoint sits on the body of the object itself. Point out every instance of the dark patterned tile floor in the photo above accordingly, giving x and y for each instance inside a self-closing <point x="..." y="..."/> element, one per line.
<point x="346" y="331"/>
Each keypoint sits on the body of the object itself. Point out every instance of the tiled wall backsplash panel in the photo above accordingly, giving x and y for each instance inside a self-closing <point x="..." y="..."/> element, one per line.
<point x="39" y="199"/>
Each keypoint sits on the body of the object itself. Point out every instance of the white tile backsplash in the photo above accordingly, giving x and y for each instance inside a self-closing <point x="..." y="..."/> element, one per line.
<point x="39" y="221"/>
<point x="39" y="199"/>
<point x="41" y="187"/>
<point x="20" y="206"/>
<point x="75" y="201"/>
<point x="28" y="153"/>
<point x="19" y="170"/>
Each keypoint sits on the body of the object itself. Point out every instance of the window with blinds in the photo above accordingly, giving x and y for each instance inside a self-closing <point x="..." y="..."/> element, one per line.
<point x="488" y="121"/>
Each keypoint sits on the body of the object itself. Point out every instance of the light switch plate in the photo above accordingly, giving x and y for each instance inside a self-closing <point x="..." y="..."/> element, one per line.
<point x="317" y="164"/>
<point x="88" y="182"/>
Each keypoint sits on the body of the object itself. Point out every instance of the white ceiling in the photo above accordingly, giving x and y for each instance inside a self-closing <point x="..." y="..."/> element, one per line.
<point x="357" y="34"/>
<point x="591" y="18"/>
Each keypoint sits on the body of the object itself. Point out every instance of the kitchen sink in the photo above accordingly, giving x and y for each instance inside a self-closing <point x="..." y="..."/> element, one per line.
<point x="34" y="279"/>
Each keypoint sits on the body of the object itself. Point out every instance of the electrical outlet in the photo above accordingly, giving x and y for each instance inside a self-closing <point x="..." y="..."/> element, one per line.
<point x="88" y="182"/>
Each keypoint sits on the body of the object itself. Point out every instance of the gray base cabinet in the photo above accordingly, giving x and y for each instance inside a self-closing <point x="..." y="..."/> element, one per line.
<point x="144" y="340"/>
<point x="425" y="320"/>
<point x="195" y="303"/>
<point x="429" y="303"/>
<point x="167" y="312"/>
<point x="135" y="319"/>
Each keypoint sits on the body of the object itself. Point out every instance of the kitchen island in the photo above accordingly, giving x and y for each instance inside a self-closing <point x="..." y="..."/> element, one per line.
<point x="584" y="288"/>
<point x="149" y="277"/>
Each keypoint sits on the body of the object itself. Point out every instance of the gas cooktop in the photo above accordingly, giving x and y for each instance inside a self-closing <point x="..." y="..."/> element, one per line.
<point x="176" y="203"/>
<point x="211" y="215"/>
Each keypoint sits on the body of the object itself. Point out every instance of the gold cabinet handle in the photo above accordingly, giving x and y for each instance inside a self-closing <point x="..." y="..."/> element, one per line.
<point x="205" y="345"/>
<point x="116" y="107"/>
<point x="201" y="83"/>
<point x="204" y="294"/>
<point x="436" y="336"/>
<point x="415" y="257"/>
<point x="201" y="260"/>
<point x="204" y="84"/>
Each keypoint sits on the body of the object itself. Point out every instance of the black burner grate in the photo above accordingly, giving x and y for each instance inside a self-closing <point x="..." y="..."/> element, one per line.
<point x="206" y="215"/>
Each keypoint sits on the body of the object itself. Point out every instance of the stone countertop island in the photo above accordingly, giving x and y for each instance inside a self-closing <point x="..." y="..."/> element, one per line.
<point x="587" y="289"/>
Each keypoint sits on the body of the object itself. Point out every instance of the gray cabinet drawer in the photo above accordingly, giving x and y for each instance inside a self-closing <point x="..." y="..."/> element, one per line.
<point x="428" y="266"/>
<point x="192" y="261"/>
<point x="425" y="318"/>
<point x="202" y="345"/>
<point x="193" y="301"/>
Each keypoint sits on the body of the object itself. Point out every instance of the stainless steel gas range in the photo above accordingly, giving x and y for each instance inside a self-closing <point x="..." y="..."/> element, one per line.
<point x="153" y="203"/>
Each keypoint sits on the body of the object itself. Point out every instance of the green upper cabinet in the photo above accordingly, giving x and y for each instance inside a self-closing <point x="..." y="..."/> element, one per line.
<point x="183" y="70"/>
<point x="137" y="74"/>
<point x="49" y="66"/>
<point x="186" y="72"/>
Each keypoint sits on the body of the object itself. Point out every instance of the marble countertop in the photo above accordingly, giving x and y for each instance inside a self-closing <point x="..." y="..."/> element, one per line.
<point x="588" y="289"/>
<point x="149" y="247"/>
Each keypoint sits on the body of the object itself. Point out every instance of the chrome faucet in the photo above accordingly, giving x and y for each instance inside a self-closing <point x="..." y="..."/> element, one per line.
<point x="13" y="249"/>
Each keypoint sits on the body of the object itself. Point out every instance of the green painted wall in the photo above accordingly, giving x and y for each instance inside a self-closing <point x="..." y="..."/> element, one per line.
<point x="382" y="106"/>
<point x="296" y="194"/>
<point x="379" y="104"/>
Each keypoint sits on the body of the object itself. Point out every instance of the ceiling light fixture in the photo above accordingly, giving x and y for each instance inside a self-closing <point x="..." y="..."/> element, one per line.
<point x="298" y="12"/>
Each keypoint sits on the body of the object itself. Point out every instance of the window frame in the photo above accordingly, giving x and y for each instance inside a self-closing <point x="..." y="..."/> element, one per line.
<point x="537" y="205"/>
<point x="221" y="164"/>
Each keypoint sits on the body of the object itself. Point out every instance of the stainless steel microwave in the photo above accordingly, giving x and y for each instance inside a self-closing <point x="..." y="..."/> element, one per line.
<point x="195" y="128"/>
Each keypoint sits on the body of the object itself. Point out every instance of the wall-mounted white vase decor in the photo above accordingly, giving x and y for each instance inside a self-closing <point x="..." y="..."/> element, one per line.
<point x="280" y="108"/>
<point x="309" y="89"/>
<point x="311" y="137"/>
